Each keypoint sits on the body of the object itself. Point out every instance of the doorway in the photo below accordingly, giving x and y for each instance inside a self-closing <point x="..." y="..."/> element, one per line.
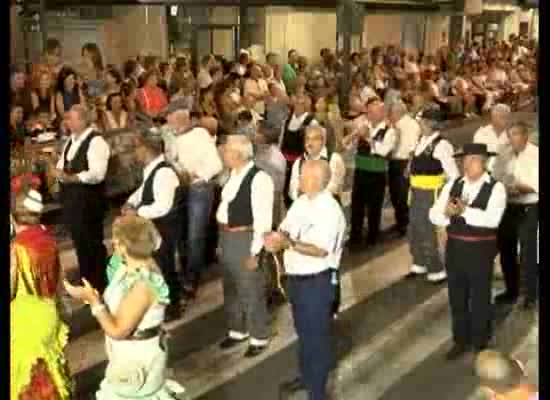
<point x="220" y="40"/>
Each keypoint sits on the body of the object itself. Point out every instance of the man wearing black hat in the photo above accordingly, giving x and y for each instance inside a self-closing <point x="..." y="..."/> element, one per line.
<point x="159" y="199"/>
<point x="431" y="165"/>
<point x="471" y="208"/>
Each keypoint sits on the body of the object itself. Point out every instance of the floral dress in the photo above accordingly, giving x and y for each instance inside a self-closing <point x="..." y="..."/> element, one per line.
<point x="137" y="368"/>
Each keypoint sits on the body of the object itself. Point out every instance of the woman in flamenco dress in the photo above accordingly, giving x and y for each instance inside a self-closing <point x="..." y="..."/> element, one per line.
<point x="38" y="335"/>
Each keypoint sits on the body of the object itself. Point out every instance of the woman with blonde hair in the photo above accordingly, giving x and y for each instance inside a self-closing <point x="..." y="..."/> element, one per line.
<point x="131" y="312"/>
<point x="38" y="367"/>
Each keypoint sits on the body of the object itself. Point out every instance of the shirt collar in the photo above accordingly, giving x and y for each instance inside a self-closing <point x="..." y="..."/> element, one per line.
<point x="323" y="153"/>
<point x="381" y="125"/>
<point x="485" y="178"/>
<point x="243" y="171"/>
<point x="83" y="136"/>
<point x="153" y="164"/>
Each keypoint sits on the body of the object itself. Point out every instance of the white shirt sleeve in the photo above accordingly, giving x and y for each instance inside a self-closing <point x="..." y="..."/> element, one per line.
<point x="133" y="200"/>
<point x="437" y="212"/>
<point x="327" y="234"/>
<point x="211" y="162"/>
<point x="98" y="161"/>
<point x="445" y="153"/>
<point x="338" y="173"/>
<point x="164" y="190"/>
<point x="262" y="194"/>
<point x="294" y="184"/>
<point x="491" y="216"/>
<point x="387" y="145"/>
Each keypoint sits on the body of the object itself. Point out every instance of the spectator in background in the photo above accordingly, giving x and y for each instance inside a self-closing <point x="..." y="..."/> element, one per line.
<point x="290" y="70"/>
<point x="113" y="80"/>
<point x="43" y="95"/>
<point x="115" y="116"/>
<point x="151" y="99"/>
<point x="68" y="91"/>
<point x="130" y="71"/>
<point x="203" y="77"/>
<point x="19" y="91"/>
<point x="17" y="129"/>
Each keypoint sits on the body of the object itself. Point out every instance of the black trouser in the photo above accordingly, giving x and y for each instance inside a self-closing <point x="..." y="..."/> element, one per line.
<point x="399" y="192"/>
<point x="287" y="199"/>
<point x="165" y="257"/>
<point x="369" y="189"/>
<point x="470" y="268"/>
<point x="84" y="212"/>
<point x="519" y="223"/>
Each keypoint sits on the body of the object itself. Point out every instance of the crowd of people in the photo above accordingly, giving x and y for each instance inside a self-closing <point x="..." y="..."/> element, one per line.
<point x="254" y="158"/>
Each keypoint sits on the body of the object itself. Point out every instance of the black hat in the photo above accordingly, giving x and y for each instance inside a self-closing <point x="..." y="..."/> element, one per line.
<point x="475" y="149"/>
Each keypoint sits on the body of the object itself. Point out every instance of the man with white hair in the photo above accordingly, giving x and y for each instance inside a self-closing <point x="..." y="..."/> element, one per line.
<point x="495" y="134"/>
<point x="244" y="215"/>
<point x="408" y="132"/>
<point x="195" y="154"/>
<point x="81" y="170"/>
<point x="315" y="149"/>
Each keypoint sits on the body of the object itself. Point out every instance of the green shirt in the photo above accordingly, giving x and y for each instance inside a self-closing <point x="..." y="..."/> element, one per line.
<point x="289" y="75"/>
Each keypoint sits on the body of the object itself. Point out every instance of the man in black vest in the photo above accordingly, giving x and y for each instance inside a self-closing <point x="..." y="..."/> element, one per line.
<point x="471" y="208"/>
<point x="432" y="165"/>
<point x="244" y="215"/>
<point x="293" y="134"/>
<point x="81" y="170"/>
<point x="159" y="199"/>
<point x="374" y="145"/>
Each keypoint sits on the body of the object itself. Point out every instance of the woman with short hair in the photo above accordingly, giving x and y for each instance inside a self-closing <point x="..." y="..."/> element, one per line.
<point x="131" y="312"/>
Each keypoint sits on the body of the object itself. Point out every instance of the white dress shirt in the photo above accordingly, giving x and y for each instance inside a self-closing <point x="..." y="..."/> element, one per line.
<point x="495" y="143"/>
<point x="195" y="152"/>
<point x="511" y="168"/>
<point x="488" y="218"/>
<point x="408" y="133"/>
<point x="387" y="145"/>
<point x="165" y="184"/>
<point x="444" y="152"/>
<point x="303" y="223"/>
<point x="98" y="157"/>
<point x="337" y="173"/>
<point x="262" y="194"/>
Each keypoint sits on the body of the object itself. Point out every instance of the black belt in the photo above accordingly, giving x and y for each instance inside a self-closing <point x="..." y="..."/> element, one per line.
<point x="146" y="334"/>
<point x="308" y="276"/>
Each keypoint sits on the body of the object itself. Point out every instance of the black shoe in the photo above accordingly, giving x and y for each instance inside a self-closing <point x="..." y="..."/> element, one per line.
<point x="173" y="312"/>
<point x="456" y="352"/>
<point x="230" y="342"/>
<point x="371" y="241"/>
<point x="529" y="305"/>
<point x="355" y="246"/>
<point x="413" y="275"/>
<point x="189" y="292"/>
<point x="254" y="351"/>
<point x="506" y="298"/>
<point x="294" y="385"/>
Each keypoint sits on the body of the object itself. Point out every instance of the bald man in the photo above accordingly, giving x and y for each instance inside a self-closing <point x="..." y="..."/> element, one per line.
<point x="312" y="251"/>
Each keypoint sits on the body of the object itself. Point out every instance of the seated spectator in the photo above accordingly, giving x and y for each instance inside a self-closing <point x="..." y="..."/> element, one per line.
<point x="151" y="98"/>
<point x="17" y="130"/>
<point x="19" y="90"/>
<point x="115" y="116"/>
<point x="68" y="91"/>
<point x="43" y="95"/>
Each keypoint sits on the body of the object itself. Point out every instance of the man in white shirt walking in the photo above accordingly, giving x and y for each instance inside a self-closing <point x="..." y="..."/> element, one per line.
<point x="195" y="154"/>
<point x="518" y="168"/>
<point x="432" y="164"/>
<point x="312" y="251"/>
<point x="244" y="215"/>
<point x="471" y="208"/>
<point x="494" y="135"/>
<point x="407" y="132"/>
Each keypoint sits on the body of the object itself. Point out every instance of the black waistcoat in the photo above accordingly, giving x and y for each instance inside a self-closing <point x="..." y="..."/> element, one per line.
<point x="458" y="224"/>
<point x="81" y="198"/>
<point x="425" y="163"/>
<point x="239" y="210"/>
<point x="363" y="148"/>
<point x="172" y="219"/>
<point x="293" y="141"/>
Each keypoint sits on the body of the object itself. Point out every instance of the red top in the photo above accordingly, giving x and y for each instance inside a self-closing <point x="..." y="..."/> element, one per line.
<point x="152" y="99"/>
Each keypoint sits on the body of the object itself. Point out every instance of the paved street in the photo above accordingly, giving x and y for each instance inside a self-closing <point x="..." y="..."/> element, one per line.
<point x="391" y="336"/>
